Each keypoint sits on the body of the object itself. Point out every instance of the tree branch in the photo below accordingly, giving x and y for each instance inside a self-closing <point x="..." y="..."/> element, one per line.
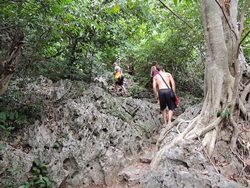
<point x="242" y="25"/>
<point x="226" y="19"/>
<point x="8" y="27"/>
<point x="243" y="39"/>
<point x="175" y="15"/>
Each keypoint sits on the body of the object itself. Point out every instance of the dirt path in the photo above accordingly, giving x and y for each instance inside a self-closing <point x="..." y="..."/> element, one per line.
<point x="131" y="176"/>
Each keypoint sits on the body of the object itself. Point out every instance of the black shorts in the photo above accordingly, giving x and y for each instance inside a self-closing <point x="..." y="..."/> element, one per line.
<point x="120" y="80"/>
<point x="166" y="100"/>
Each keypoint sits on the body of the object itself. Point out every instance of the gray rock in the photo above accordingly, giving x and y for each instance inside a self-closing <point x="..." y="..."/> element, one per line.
<point x="173" y="178"/>
<point x="86" y="136"/>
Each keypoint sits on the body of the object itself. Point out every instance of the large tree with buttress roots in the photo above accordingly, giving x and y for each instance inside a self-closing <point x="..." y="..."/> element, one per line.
<point x="226" y="81"/>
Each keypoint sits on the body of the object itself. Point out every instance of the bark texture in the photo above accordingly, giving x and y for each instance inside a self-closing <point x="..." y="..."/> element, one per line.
<point x="226" y="91"/>
<point x="8" y="66"/>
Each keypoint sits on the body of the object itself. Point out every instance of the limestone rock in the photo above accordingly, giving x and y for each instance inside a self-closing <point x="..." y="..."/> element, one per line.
<point x="86" y="135"/>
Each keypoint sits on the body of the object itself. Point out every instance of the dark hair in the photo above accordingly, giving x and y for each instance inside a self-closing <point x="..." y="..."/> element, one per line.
<point x="159" y="67"/>
<point x="154" y="63"/>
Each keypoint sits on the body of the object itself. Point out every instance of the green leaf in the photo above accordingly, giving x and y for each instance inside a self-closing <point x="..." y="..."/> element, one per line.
<point x="36" y="170"/>
<point x="11" y="115"/>
<point x="47" y="181"/>
<point x="131" y="4"/>
<point x="36" y="162"/>
<point x="12" y="171"/>
<point x="43" y="166"/>
<point x="26" y="185"/>
<point x="10" y="128"/>
<point x="3" y="116"/>
<point x="39" y="181"/>
<point x="44" y="171"/>
<point x="219" y="112"/>
<point x="116" y="8"/>
<point x="3" y="127"/>
<point x="228" y="112"/>
<point x="188" y="3"/>
<point x="34" y="178"/>
<point x="56" y="145"/>
<point x="1" y="146"/>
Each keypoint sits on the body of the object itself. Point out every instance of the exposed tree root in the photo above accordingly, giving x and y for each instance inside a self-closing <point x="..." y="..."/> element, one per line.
<point x="177" y="127"/>
<point x="235" y="134"/>
<point x="244" y="162"/>
<point x="192" y="132"/>
<point x="244" y="110"/>
<point x="209" y="157"/>
<point x="165" y="131"/>
<point x="157" y="159"/>
<point x="205" y="130"/>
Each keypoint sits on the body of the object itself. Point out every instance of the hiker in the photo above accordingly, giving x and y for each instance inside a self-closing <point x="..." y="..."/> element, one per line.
<point x="153" y="70"/>
<point x="164" y="80"/>
<point x="119" y="78"/>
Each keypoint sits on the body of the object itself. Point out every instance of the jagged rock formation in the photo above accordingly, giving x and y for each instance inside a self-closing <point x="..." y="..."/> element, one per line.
<point x="86" y="135"/>
<point x="91" y="138"/>
<point x="188" y="165"/>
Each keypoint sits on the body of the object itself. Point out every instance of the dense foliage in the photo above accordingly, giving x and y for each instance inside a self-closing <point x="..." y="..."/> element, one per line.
<point x="81" y="39"/>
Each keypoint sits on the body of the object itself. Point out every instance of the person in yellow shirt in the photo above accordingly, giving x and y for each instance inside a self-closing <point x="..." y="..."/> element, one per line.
<point x="119" y="78"/>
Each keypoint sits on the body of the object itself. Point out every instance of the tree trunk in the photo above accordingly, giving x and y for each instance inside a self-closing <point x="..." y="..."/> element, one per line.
<point x="224" y="70"/>
<point x="8" y="67"/>
<point x="219" y="80"/>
